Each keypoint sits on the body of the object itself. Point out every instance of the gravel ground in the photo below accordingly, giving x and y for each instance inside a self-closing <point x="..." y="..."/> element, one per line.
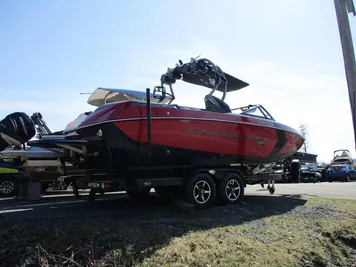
<point x="331" y="190"/>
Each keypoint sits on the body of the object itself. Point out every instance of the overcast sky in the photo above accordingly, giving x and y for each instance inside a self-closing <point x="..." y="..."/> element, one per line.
<point x="287" y="50"/>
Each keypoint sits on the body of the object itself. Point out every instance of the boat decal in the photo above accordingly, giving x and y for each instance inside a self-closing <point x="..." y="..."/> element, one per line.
<point x="260" y="140"/>
<point x="281" y="141"/>
<point x="184" y="121"/>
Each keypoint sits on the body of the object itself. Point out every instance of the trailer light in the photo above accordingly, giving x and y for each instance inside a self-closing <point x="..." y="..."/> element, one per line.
<point x="107" y="186"/>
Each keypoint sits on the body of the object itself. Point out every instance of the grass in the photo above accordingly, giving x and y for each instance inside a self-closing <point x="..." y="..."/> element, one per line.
<point x="264" y="231"/>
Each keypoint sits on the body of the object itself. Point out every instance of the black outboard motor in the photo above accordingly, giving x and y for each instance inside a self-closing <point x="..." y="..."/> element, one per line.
<point x="16" y="129"/>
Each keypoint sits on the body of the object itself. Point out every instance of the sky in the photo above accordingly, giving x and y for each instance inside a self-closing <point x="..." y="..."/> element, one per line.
<point x="288" y="51"/>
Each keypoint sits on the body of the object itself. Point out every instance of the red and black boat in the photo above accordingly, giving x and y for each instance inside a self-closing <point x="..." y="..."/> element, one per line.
<point x="120" y="134"/>
<point x="138" y="141"/>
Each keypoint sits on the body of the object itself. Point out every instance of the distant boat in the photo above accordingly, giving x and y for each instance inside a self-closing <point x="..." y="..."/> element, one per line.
<point x="342" y="156"/>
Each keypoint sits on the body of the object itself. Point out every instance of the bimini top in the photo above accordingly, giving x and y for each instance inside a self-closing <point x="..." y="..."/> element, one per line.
<point x="109" y="95"/>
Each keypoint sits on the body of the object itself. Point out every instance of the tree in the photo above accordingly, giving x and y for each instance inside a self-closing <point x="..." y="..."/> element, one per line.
<point x="303" y="129"/>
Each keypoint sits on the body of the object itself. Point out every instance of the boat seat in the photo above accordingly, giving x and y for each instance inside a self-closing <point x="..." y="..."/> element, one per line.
<point x="214" y="104"/>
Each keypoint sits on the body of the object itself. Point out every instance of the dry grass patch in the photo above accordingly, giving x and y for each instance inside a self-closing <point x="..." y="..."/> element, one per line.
<point x="266" y="231"/>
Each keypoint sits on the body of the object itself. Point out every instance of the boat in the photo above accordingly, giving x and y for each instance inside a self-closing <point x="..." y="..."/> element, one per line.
<point x="342" y="156"/>
<point x="127" y="131"/>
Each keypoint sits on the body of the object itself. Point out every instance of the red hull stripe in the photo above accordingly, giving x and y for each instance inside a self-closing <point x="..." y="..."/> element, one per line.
<point x="271" y="126"/>
<point x="137" y="111"/>
<point x="214" y="137"/>
<point x="201" y="130"/>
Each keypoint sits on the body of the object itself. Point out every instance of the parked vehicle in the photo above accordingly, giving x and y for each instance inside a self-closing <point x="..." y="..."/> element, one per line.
<point x="9" y="179"/>
<point x="309" y="172"/>
<point x="341" y="172"/>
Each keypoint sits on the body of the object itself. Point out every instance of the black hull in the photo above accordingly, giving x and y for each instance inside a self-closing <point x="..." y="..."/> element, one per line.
<point x="117" y="151"/>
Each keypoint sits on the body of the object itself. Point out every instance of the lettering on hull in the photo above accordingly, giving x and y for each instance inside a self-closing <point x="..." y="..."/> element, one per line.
<point x="260" y="140"/>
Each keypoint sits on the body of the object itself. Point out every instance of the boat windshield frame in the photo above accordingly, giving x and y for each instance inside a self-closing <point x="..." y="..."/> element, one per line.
<point x="103" y="96"/>
<point x="249" y="109"/>
<point x="342" y="150"/>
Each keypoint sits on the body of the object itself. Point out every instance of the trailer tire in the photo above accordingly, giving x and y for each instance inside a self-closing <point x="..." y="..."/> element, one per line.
<point x="230" y="188"/>
<point x="200" y="190"/>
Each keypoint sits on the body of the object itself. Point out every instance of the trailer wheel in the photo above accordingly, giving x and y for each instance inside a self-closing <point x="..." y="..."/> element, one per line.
<point x="230" y="188"/>
<point x="200" y="190"/>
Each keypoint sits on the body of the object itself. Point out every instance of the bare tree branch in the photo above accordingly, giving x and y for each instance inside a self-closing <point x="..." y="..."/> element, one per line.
<point x="303" y="129"/>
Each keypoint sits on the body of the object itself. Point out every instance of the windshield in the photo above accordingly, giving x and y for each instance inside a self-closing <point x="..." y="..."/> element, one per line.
<point x="341" y="153"/>
<point x="337" y="167"/>
<point x="109" y="95"/>
<point x="255" y="111"/>
<point x="341" y="160"/>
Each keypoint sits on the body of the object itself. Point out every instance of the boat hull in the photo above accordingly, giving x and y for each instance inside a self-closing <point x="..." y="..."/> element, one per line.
<point x="182" y="136"/>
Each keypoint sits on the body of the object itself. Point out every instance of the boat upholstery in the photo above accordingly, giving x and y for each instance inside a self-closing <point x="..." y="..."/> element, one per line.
<point x="214" y="104"/>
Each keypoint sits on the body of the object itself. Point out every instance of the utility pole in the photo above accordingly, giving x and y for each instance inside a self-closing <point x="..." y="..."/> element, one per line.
<point x="342" y="8"/>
